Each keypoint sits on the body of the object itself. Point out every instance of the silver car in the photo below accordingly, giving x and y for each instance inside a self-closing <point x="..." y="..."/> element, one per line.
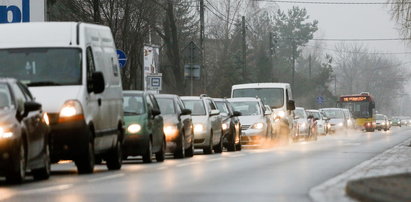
<point x="337" y="119"/>
<point x="255" y="121"/>
<point x="207" y="123"/>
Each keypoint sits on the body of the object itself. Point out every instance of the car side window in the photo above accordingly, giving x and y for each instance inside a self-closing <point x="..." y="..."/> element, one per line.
<point x="90" y="68"/>
<point x="19" y="97"/>
<point x="149" y="102"/>
<point x="180" y="103"/>
<point x="211" y="105"/>
<point x="154" y="102"/>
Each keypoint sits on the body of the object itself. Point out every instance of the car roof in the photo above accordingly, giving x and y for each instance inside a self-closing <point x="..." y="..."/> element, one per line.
<point x="330" y="109"/>
<point x="190" y="97"/>
<point x="165" y="95"/>
<point x="302" y="108"/>
<point x="220" y="99"/>
<point x="312" y="110"/>
<point x="7" y="80"/>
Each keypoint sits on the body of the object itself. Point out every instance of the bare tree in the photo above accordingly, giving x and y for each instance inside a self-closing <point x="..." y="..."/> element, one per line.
<point x="401" y="12"/>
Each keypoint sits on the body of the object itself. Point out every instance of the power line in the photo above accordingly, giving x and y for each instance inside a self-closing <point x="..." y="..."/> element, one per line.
<point x="362" y="52"/>
<point x="334" y="3"/>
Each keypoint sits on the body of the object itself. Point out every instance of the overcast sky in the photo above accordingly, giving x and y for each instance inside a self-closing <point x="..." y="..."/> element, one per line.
<point x="357" y="21"/>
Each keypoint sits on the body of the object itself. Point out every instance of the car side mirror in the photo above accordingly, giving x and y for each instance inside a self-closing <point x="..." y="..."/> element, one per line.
<point x="296" y="117"/>
<point x="155" y="112"/>
<point x="236" y="113"/>
<point x="214" y="112"/>
<point x="31" y="106"/>
<point x="98" y="82"/>
<point x="185" y="112"/>
<point x="291" y="105"/>
<point x="267" y="113"/>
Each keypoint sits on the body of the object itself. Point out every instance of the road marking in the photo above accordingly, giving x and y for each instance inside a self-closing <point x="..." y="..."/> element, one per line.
<point x="47" y="189"/>
<point x="186" y="164"/>
<point x="106" y="178"/>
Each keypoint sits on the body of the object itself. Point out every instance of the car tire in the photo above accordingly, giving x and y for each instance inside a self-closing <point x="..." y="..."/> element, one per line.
<point x="85" y="163"/>
<point x="209" y="148"/>
<point x="115" y="157"/>
<point x="149" y="153"/>
<point x="18" y="170"/>
<point x="180" y="152"/>
<point x="43" y="173"/>
<point x="231" y="145"/>
<point x="190" y="151"/>
<point x="161" y="155"/>
<point x="219" y="147"/>
<point x="238" y="146"/>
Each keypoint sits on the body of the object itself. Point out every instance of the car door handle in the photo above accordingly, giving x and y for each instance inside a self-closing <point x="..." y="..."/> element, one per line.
<point x="99" y="101"/>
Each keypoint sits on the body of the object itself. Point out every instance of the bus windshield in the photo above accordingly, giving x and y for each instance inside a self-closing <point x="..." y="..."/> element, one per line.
<point x="42" y="66"/>
<point x="274" y="97"/>
<point x="358" y="109"/>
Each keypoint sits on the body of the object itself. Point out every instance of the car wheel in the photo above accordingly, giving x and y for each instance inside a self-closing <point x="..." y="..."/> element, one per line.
<point x="161" y="155"/>
<point x="238" y="145"/>
<point x="231" y="145"/>
<point x="85" y="163"/>
<point x="190" y="151"/>
<point x="18" y="171"/>
<point x="149" y="153"/>
<point x="180" y="152"/>
<point x="114" y="158"/>
<point x="209" y="148"/>
<point x="43" y="173"/>
<point x="219" y="147"/>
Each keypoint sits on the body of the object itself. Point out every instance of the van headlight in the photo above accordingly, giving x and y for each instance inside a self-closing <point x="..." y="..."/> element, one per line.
<point x="5" y="133"/>
<point x="198" y="128"/>
<point x="134" y="128"/>
<point x="257" y="126"/>
<point x="71" y="110"/>
<point x="170" y="130"/>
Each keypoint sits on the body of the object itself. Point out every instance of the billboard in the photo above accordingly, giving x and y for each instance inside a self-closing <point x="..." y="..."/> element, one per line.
<point x="16" y="11"/>
<point x="151" y="59"/>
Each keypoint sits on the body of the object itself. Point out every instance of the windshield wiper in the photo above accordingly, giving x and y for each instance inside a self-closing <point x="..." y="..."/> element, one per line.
<point x="44" y="83"/>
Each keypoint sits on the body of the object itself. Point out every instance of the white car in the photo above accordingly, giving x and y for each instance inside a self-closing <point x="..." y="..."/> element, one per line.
<point x="321" y="121"/>
<point x="255" y="121"/>
<point x="207" y="123"/>
<point x="337" y="119"/>
<point x="303" y="125"/>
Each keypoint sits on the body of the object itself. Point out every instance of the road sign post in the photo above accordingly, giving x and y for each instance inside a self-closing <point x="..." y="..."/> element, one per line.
<point x="192" y="69"/>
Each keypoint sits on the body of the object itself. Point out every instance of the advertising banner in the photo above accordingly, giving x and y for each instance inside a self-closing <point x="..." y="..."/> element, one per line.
<point x="16" y="11"/>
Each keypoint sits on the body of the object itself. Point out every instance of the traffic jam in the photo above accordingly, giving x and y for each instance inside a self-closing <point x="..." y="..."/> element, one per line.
<point x="77" y="110"/>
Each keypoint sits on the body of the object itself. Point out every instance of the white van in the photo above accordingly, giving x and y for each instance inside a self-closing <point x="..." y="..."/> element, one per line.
<point x="72" y="69"/>
<point x="276" y="95"/>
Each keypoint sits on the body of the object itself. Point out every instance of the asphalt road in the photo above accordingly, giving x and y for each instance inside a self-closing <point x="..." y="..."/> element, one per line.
<point x="271" y="174"/>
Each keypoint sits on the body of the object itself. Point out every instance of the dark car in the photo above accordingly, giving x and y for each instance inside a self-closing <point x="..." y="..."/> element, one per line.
<point x="231" y="125"/>
<point x="178" y="125"/>
<point x="24" y="131"/>
<point x="144" y="134"/>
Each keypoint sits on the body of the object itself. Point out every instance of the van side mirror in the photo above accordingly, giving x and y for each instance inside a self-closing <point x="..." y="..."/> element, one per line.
<point x="185" y="112"/>
<point x="291" y="105"/>
<point x="98" y="82"/>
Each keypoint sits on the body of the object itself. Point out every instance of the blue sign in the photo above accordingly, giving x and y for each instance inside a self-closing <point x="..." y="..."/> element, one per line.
<point x="122" y="58"/>
<point x="156" y="82"/>
<point x="18" y="15"/>
<point x="320" y="99"/>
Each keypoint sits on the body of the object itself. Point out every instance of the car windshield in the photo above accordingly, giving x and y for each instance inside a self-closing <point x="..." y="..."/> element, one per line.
<point x="133" y="105"/>
<point x="380" y="117"/>
<point x="5" y="98"/>
<point x="274" y="97"/>
<point x="42" y="66"/>
<point x="314" y="114"/>
<point x="166" y="105"/>
<point x="300" y="113"/>
<point x="222" y="107"/>
<point x="334" y="114"/>
<point x="196" y="106"/>
<point x="247" y="108"/>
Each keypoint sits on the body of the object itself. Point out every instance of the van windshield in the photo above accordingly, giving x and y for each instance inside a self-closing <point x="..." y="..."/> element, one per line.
<point x="42" y="66"/>
<point x="274" y="97"/>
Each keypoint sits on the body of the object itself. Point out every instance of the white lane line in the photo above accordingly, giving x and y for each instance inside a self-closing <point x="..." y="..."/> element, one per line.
<point x="106" y="178"/>
<point x="47" y="189"/>
<point x="186" y="164"/>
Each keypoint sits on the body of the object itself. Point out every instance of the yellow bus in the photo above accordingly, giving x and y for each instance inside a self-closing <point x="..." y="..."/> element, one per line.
<point x="362" y="107"/>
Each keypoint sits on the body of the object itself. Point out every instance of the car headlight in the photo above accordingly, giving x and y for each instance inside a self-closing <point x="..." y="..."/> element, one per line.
<point x="5" y="133"/>
<point x="280" y="114"/>
<point x="46" y="119"/>
<point x="170" y="130"/>
<point x="257" y="126"/>
<point x="198" y="128"/>
<point x="134" y="128"/>
<point x="303" y="125"/>
<point x="71" y="110"/>
<point x="340" y="124"/>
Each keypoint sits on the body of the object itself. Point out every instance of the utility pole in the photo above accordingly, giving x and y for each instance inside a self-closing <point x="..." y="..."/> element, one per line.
<point x="244" y="48"/>
<point x="96" y="9"/>
<point x="293" y="65"/>
<point x="309" y="66"/>
<point x="202" y="36"/>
